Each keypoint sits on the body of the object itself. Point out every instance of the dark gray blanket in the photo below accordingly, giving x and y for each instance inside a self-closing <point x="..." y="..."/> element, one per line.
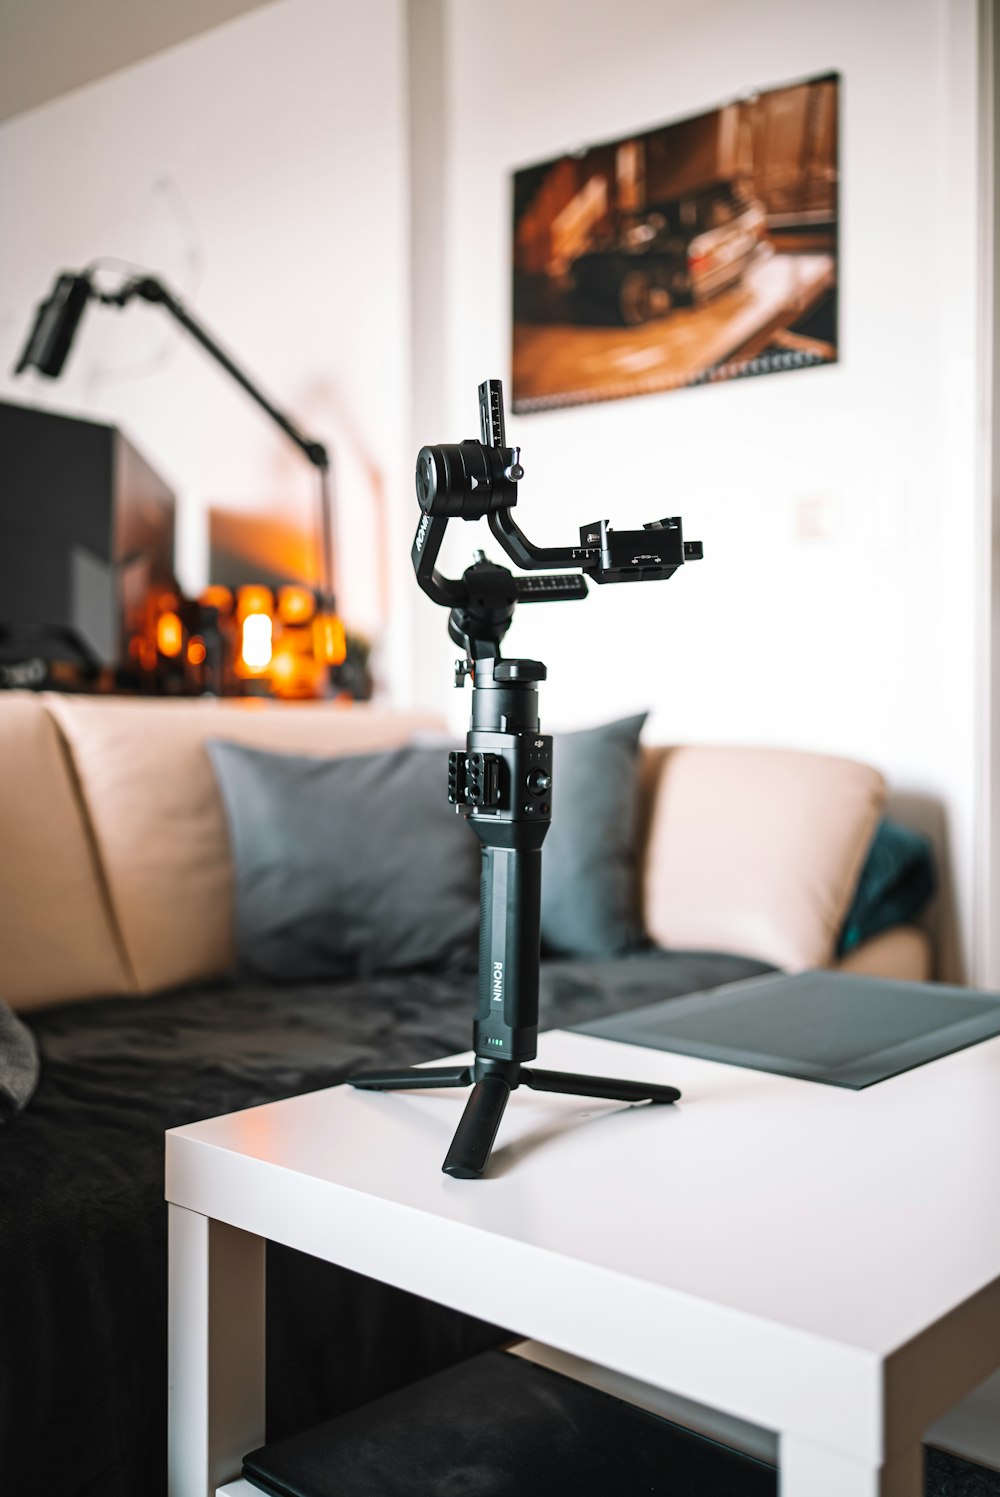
<point x="83" y="1222"/>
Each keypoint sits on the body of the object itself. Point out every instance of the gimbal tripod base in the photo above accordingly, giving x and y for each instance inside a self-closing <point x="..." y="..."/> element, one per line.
<point x="492" y="1082"/>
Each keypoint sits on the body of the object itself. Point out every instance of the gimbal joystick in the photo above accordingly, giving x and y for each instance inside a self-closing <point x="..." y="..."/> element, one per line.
<point x="502" y="782"/>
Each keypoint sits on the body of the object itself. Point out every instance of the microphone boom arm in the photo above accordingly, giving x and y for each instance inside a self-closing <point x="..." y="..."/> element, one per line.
<point x="150" y="289"/>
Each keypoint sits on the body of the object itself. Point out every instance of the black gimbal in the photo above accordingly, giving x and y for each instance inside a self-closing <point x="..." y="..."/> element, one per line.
<point x="502" y="781"/>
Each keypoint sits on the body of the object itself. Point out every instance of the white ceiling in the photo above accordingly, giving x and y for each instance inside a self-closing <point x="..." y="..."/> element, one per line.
<point x="48" y="47"/>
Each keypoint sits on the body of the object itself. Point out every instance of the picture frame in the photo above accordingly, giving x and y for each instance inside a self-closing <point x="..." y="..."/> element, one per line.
<point x="699" y="251"/>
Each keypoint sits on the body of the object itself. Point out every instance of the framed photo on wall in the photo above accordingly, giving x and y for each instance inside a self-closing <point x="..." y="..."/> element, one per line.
<point x="699" y="251"/>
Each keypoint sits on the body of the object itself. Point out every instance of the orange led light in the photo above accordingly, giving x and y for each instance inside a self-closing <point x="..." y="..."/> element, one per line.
<point x="196" y="651"/>
<point x="220" y="598"/>
<point x="330" y="641"/>
<point x="256" y="646"/>
<point x="296" y="605"/>
<point x="283" y="665"/>
<point x="254" y="599"/>
<point x="169" y="635"/>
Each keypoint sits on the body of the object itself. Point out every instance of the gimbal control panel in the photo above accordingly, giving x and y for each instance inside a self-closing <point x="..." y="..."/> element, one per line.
<point x="512" y="782"/>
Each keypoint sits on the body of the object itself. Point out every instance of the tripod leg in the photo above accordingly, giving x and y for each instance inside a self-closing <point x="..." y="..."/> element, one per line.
<point x="597" y="1086"/>
<point x="470" y="1148"/>
<point x="413" y="1079"/>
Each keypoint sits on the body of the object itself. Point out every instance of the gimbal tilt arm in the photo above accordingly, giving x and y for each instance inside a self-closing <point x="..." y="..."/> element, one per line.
<point x="502" y="781"/>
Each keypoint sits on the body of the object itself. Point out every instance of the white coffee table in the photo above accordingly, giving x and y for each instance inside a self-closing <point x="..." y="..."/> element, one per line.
<point x="824" y="1263"/>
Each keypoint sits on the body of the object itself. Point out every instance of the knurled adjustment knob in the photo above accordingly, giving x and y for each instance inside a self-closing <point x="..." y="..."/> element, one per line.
<point x="539" y="780"/>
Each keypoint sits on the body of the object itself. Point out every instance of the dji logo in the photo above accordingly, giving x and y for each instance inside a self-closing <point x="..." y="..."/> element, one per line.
<point x="498" y="982"/>
<point x="422" y="532"/>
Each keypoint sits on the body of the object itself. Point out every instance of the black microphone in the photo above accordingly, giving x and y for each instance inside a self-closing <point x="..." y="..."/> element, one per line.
<point x="56" y="322"/>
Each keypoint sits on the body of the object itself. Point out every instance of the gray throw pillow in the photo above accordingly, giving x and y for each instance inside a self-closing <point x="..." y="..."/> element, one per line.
<point x="590" y="875"/>
<point x="18" y="1063"/>
<point x="349" y="866"/>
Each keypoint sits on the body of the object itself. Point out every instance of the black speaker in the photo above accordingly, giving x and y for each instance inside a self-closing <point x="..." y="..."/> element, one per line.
<point x="86" y="530"/>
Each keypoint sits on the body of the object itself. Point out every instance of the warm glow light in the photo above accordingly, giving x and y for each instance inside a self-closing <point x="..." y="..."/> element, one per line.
<point x="253" y="599"/>
<point x="220" y="598"/>
<point x="256" y="650"/>
<point x="296" y="605"/>
<point x="169" y="634"/>
<point x="330" y="640"/>
<point x="196" y="651"/>
<point x="283" y="665"/>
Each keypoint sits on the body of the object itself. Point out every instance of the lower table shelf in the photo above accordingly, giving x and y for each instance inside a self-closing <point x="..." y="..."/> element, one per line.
<point x="502" y="1424"/>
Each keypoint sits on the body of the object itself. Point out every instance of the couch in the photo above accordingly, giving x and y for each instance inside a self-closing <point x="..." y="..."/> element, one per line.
<point x="116" y="947"/>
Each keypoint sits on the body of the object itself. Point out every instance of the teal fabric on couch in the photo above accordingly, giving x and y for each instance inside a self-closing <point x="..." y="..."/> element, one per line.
<point x="897" y="882"/>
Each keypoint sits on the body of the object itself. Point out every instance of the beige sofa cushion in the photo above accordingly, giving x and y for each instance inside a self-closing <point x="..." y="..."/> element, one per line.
<point x="755" y="850"/>
<point x="57" y="941"/>
<point x="158" y="820"/>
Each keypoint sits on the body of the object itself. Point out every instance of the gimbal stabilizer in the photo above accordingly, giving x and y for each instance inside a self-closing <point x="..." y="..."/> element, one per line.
<point x="502" y="782"/>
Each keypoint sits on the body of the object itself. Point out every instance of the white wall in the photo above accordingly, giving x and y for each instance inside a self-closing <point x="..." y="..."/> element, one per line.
<point x="863" y="643"/>
<point x="261" y="169"/>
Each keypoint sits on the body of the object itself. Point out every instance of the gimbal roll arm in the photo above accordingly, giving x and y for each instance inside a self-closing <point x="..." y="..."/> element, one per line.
<point x="450" y="592"/>
<point x="527" y="556"/>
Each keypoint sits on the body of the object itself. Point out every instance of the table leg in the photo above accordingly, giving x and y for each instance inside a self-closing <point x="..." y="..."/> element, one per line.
<point x="215" y="1352"/>
<point x="808" y="1470"/>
